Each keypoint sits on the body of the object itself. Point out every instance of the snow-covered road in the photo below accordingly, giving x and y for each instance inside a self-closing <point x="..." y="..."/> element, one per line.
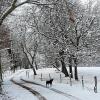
<point x="16" y="92"/>
<point x="70" y="97"/>
<point x="26" y="87"/>
<point x="49" y="94"/>
<point x="59" y="91"/>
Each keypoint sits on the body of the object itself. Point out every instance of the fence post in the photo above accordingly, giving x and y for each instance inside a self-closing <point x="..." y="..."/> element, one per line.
<point x="34" y="76"/>
<point x="28" y="74"/>
<point x="49" y="76"/>
<point x="60" y="78"/>
<point x="95" y="86"/>
<point x="41" y="76"/>
<point x="82" y="82"/>
<point x="70" y="79"/>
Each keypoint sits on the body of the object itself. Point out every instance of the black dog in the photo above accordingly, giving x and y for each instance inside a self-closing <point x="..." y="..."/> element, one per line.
<point x="49" y="82"/>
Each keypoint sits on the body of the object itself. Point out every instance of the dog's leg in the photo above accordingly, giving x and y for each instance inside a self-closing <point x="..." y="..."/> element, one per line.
<point x="46" y="84"/>
<point x="50" y="85"/>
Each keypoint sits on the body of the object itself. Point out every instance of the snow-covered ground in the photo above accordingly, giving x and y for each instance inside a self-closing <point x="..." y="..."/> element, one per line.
<point x="74" y="92"/>
<point x="15" y="92"/>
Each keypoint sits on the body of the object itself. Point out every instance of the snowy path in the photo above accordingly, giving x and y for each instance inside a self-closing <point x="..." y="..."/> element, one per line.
<point x="54" y="90"/>
<point x="48" y="93"/>
<point x="59" y="90"/>
<point x="44" y="93"/>
<point x="23" y="85"/>
<point x="15" y="92"/>
<point x="41" y="92"/>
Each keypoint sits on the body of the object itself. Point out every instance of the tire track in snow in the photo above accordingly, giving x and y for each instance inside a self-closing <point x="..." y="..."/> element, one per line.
<point x="55" y="90"/>
<point x="37" y="94"/>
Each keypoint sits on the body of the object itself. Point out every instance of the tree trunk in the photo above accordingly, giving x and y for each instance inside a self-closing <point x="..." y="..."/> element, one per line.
<point x="36" y="66"/>
<point x="64" y="70"/>
<point x="0" y="75"/>
<point x="56" y="67"/>
<point x="1" y="79"/>
<point x="33" y="69"/>
<point x="70" y="67"/>
<point x="25" y="63"/>
<point x="75" y="69"/>
<point x="30" y="64"/>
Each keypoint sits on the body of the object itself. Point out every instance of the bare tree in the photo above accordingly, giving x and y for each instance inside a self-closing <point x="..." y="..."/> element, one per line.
<point x="4" y="43"/>
<point x="15" y="4"/>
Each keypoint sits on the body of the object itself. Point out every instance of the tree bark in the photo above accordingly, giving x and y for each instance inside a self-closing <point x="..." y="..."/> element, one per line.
<point x="36" y="66"/>
<point x="75" y="69"/>
<point x="64" y="70"/>
<point x="70" y="67"/>
<point x="56" y="67"/>
<point x="1" y="79"/>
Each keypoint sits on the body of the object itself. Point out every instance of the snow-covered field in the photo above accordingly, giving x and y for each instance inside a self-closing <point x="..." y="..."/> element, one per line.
<point x="66" y="92"/>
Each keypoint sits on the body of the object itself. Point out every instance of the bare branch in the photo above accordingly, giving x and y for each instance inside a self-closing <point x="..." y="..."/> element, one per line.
<point x="14" y="6"/>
